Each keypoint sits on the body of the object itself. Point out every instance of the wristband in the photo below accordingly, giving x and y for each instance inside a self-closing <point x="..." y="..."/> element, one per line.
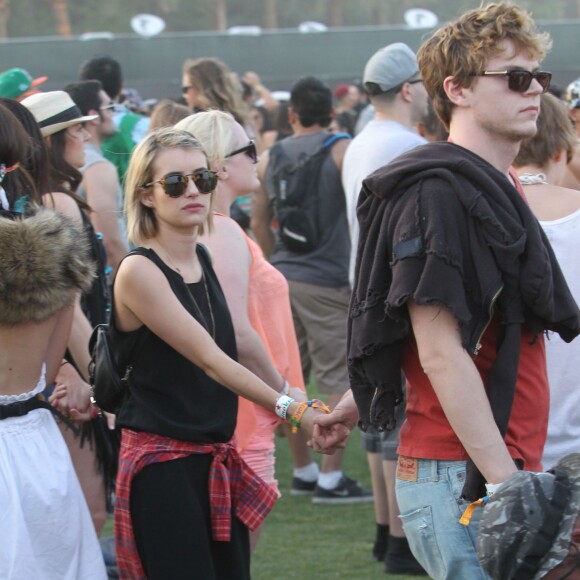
<point x="491" y="488"/>
<point x="282" y="405"/>
<point x="296" y="419"/>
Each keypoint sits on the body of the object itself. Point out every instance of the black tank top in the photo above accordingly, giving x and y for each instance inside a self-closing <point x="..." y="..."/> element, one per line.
<point x="169" y="395"/>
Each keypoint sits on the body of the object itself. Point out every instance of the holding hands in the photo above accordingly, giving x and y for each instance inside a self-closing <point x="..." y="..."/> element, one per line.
<point x="331" y="431"/>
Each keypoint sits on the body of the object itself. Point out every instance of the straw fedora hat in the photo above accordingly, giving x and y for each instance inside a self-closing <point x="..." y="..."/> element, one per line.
<point x="55" y="111"/>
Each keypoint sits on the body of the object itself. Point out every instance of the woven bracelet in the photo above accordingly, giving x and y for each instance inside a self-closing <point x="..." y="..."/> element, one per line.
<point x="296" y="419"/>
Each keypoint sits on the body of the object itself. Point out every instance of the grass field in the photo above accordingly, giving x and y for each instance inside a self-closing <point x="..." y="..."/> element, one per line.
<point x="305" y="541"/>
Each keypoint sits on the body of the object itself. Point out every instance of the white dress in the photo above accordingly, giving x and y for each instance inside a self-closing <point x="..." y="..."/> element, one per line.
<point x="46" y="531"/>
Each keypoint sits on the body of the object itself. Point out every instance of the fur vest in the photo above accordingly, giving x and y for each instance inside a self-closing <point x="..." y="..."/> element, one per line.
<point x="44" y="262"/>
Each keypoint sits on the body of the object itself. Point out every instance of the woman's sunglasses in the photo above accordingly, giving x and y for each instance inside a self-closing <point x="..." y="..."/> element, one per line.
<point x="249" y="150"/>
<point x="519" y="81"/>
<point x="175" y="185"/>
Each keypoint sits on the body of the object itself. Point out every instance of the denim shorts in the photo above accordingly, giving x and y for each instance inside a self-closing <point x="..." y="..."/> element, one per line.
<point x="386" y="442"/>
<point x="430" y="511"/>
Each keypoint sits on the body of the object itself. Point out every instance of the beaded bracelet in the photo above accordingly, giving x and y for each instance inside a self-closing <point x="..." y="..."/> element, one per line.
<point x="282" y="404"/>
<point x="296" y="418"/>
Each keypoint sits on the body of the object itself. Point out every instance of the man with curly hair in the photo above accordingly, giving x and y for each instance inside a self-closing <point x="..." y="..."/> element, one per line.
<point x="470" y="286"/>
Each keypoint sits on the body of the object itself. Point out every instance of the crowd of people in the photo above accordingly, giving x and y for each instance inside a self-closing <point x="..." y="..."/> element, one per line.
<point x="406" y="242"/>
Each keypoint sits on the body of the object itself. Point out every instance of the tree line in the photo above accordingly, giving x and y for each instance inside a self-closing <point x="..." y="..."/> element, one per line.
<point x="21" y="18"/>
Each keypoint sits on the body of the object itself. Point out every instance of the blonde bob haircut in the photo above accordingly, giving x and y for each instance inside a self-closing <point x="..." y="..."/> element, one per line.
<point x="141" y="220"/>
<point x="555" y="135"/>
<point x="213" y="129"/>
<point x="464" y="47"/>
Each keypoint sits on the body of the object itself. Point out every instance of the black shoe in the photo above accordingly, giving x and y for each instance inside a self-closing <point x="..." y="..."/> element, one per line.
<point x="400" y="560"/>
<point x="302" y="487"/>
<point x="347" y="491"/>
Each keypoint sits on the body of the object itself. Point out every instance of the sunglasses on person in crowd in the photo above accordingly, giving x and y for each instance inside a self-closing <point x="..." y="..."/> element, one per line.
<point x="249" y="150"/>
<point x="519" y="81"/>
<point x="175" y="185"/>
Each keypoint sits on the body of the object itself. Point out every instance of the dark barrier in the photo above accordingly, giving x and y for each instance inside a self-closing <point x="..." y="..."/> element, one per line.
<point x="153" y="66"/>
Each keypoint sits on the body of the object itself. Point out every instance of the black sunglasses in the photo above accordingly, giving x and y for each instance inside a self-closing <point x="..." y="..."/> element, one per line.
<point x="520" y="80"/>
<point x="184" y="89"/>
<point x="249" y="150"/>
<point x="176" y="185"/>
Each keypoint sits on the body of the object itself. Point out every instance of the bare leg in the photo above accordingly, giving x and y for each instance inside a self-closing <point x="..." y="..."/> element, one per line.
<point x="254" y="537"/>
<point x="390" y="473"/>
<point x="301" y="456"/>
<point x="92" y="484"/>
<point x="379" y="488"/>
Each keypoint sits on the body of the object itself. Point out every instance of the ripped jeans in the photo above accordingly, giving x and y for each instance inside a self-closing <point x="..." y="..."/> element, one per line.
<point x="430" y="511"/>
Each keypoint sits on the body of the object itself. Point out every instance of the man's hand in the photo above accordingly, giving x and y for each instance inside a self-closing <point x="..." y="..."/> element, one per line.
<point x="331" y="431"/>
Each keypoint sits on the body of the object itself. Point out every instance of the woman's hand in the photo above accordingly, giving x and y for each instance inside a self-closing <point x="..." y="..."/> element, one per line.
<point x="71" y="395"/>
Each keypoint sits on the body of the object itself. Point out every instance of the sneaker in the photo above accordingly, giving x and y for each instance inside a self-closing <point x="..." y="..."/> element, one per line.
<point x="347" y="491"/>
<point x="302" y="487"/>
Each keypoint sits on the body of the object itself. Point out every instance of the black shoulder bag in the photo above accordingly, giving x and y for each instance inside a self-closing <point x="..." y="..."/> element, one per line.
<point x="109" y="380"/>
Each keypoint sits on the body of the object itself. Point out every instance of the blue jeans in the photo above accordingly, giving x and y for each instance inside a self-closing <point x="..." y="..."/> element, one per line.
<point x="430" y="511"/>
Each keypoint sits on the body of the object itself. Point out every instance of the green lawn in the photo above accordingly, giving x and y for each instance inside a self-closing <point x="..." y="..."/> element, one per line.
<point x="305" y="541"/>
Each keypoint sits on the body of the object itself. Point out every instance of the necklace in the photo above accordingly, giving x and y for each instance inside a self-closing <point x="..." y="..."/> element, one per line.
<point x="207" y="296"/>
<point x="533" y="179"/>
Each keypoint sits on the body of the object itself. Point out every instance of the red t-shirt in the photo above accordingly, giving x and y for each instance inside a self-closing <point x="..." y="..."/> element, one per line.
<point x="426" y="433"/>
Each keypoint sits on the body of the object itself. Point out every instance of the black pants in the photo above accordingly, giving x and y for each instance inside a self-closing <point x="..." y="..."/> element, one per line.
<point x="171" y="521"/>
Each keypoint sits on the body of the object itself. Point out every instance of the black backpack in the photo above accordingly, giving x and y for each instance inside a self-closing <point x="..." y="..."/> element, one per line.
<point x="295" y="195"/>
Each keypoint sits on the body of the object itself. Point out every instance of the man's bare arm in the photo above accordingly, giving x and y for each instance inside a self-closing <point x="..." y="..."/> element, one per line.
<point x="100" y="182"/>
<point x="460" y="390"/>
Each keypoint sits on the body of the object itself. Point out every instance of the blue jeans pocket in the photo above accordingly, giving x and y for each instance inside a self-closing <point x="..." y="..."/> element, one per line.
<point x="418" y="526"/>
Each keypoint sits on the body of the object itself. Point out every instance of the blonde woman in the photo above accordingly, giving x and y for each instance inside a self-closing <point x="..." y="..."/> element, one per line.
<point x="257" y="293"/>
<point x="185" y="499"/>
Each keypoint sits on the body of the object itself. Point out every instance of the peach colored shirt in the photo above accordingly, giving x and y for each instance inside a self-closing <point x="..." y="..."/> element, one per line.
<point x="271" y="317"/>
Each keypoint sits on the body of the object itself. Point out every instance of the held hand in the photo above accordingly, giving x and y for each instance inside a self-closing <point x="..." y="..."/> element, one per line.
<point x="331" y="431"/>
<point x="307" y="423"/>
<point x="71" y="395"/>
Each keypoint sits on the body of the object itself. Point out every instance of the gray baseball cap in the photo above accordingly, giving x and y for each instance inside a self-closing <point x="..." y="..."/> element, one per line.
<point x="528" y="523"/>
<point x="391" y="66"/>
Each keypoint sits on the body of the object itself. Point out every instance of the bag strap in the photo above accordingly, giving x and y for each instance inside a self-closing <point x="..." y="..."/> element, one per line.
<point x="332" y="139"/>
<point x="143" y="333"/>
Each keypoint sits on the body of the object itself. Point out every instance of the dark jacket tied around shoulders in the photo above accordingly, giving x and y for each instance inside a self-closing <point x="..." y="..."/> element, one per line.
<point x="442" y="226"/>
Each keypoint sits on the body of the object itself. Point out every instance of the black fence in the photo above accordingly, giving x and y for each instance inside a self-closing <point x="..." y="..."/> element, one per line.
<point x="153" y="66"/>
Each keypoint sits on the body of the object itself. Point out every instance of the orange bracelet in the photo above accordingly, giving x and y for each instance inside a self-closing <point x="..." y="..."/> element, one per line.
<point x="296" y="418"/>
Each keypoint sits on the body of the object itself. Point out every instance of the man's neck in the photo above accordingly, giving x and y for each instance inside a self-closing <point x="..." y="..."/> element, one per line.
<point x="495" y="149"/>
<point x="299" y="130"/>
<point x="396" y="113"/>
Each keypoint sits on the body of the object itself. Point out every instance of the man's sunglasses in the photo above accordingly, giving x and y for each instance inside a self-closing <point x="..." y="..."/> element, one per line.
<point x="520" y="80"/>
<point x="176" y="185"/>
<point x="249" y="150"/>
